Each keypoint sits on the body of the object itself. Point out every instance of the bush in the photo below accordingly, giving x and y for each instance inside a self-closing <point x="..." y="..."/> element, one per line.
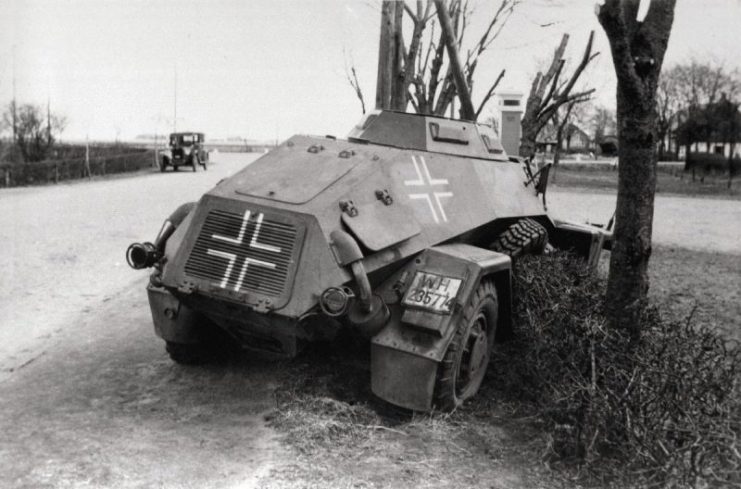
<point x="711" y="162"/>
<point x="662" y="410"/>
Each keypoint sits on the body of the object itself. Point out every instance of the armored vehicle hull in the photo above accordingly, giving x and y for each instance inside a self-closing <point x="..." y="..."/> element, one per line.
<point x="404" y="232"/>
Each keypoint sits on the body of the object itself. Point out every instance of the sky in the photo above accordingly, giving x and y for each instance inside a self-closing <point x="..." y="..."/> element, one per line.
<point x="267" y="69"/>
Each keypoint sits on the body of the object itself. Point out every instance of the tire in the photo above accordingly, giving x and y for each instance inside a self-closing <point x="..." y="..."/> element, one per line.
<point x="186" y="353"/>
<point x="463" y="367"/>
<point x="523" y="237"/>
<point x="194" y="162"/>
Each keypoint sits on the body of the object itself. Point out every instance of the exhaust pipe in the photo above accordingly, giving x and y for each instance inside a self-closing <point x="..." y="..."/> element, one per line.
<point x="368" y="312"/>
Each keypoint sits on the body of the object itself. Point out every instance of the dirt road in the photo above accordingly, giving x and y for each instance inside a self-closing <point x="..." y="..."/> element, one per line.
<point x="87" y="396"/>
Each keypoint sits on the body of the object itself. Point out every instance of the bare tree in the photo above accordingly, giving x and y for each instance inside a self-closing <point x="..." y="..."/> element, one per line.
<point x="549" y="92"/>
<point x="638" y="49"/>
<point x="35" y="134"/>
<point x="602" y="123"/>
<point x="686" y="90"/>
<point x="420" y="73"/>
<point x="667" y="107"/>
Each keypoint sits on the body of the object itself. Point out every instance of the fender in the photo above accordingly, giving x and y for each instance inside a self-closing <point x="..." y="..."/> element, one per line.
<point x="585" y="240"/>
<point x="406" y="353"/>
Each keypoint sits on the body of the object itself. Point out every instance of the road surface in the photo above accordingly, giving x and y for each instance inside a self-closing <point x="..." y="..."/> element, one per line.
<point x="88" y="398"/>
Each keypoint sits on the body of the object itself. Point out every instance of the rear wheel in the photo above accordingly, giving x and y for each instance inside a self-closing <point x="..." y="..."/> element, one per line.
<point x="523" y="237"/>
<point x="464" y="365"/>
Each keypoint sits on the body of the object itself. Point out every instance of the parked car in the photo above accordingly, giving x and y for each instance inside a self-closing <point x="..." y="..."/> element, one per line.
<point x="186" y="149"/>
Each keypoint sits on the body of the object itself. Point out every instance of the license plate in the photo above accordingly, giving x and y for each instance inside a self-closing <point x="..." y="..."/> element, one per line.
<point x="433" y="292"/>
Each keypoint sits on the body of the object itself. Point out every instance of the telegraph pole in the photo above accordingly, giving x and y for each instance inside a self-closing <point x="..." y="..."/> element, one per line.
<point x="175" y="103"/>
<point x="13" y="103"/>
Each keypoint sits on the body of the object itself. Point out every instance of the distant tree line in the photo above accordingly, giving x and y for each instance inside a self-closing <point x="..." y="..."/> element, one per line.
<point x="697" y="102"/>
<point x="33" y="131"/>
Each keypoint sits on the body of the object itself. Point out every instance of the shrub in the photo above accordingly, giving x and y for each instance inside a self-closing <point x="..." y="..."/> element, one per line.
<point x="710" y="162"/>
<point x="661" y="410"/>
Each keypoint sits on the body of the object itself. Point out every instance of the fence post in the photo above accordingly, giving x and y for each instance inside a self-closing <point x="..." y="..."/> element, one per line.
<point x="87" y="159"/>
<point x="156" y="163"/>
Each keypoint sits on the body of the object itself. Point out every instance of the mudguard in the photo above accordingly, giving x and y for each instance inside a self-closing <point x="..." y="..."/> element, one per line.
<point x="406" y="353"/>
<point x="585" y="240"/>
<point x="173" y="320"/>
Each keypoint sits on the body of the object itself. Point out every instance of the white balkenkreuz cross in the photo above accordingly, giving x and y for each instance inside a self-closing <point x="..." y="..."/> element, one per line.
<point x="431" y="196"/>
<point x="232" y="258"/>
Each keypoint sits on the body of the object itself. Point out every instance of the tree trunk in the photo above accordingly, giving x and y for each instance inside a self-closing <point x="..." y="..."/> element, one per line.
<point x="398" y="82"/>
<point x="637" y="52"/>
<point x="628" y="279"/>
<point x="464" y="95"/>
<point x="385" y="56"/>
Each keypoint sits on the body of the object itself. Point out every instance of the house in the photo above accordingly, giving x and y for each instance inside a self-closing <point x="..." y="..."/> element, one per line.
<point x="575" y="140"/>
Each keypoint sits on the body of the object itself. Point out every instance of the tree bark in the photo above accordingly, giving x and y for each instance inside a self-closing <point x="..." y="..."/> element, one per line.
<point x="467" y="111"/>
<point x="638" y="51"/>
<point x="385" y="56"/>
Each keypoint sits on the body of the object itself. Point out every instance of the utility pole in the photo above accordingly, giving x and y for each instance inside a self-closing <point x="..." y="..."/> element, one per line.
<point x="13" y="103"/>
<point x="175" y="103"/>
<point x="48" y="119"/>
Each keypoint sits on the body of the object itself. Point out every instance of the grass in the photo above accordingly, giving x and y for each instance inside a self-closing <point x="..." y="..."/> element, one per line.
<point x="345" y="437"/>
<point x="669" y="181"/>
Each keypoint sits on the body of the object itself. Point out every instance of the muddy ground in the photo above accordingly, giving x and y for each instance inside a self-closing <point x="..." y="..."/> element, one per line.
<point x="88" y="398"/>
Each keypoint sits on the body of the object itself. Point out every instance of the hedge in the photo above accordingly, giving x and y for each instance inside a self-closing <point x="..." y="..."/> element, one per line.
<point x="54" y="171"/>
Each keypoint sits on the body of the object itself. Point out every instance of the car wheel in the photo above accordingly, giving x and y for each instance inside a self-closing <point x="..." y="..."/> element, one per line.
<point x="194" y="162"/>
<point x="523" y="237"/>
<point x="463" y="367"/>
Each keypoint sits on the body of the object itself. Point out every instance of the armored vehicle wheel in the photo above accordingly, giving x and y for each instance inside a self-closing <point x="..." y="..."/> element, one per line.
<point x="523" y="237"/>
<point x="186" y="353"/>
<point x="464" y="365"/>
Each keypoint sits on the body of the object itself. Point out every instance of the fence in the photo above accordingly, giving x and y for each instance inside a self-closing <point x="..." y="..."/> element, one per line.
<point x="54" y="171"/>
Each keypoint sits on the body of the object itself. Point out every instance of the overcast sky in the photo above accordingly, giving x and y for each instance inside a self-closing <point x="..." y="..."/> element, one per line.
<point x="266" y="69"/>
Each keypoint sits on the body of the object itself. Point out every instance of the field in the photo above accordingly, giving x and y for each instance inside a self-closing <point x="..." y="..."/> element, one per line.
<point x="670" y="180"/>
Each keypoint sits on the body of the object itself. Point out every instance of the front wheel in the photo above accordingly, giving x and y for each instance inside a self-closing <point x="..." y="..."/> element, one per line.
<point x="464" y="365"/>
<point x="187" y="353"/>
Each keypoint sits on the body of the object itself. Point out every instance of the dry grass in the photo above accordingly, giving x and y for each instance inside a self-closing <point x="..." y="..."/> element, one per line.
<point x="668" y="182"/>
<point x="546" y="415"/>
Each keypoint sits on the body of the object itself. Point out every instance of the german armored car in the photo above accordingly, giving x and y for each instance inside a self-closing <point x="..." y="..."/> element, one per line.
<point x="404" y="232"/>
<point x="185" y="149"/>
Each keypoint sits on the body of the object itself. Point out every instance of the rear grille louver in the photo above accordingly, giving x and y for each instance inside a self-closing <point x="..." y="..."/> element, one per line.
<point x="243" y="252"/>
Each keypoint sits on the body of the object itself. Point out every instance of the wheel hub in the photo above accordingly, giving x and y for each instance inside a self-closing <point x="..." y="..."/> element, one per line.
<point x="478" y="353"/>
